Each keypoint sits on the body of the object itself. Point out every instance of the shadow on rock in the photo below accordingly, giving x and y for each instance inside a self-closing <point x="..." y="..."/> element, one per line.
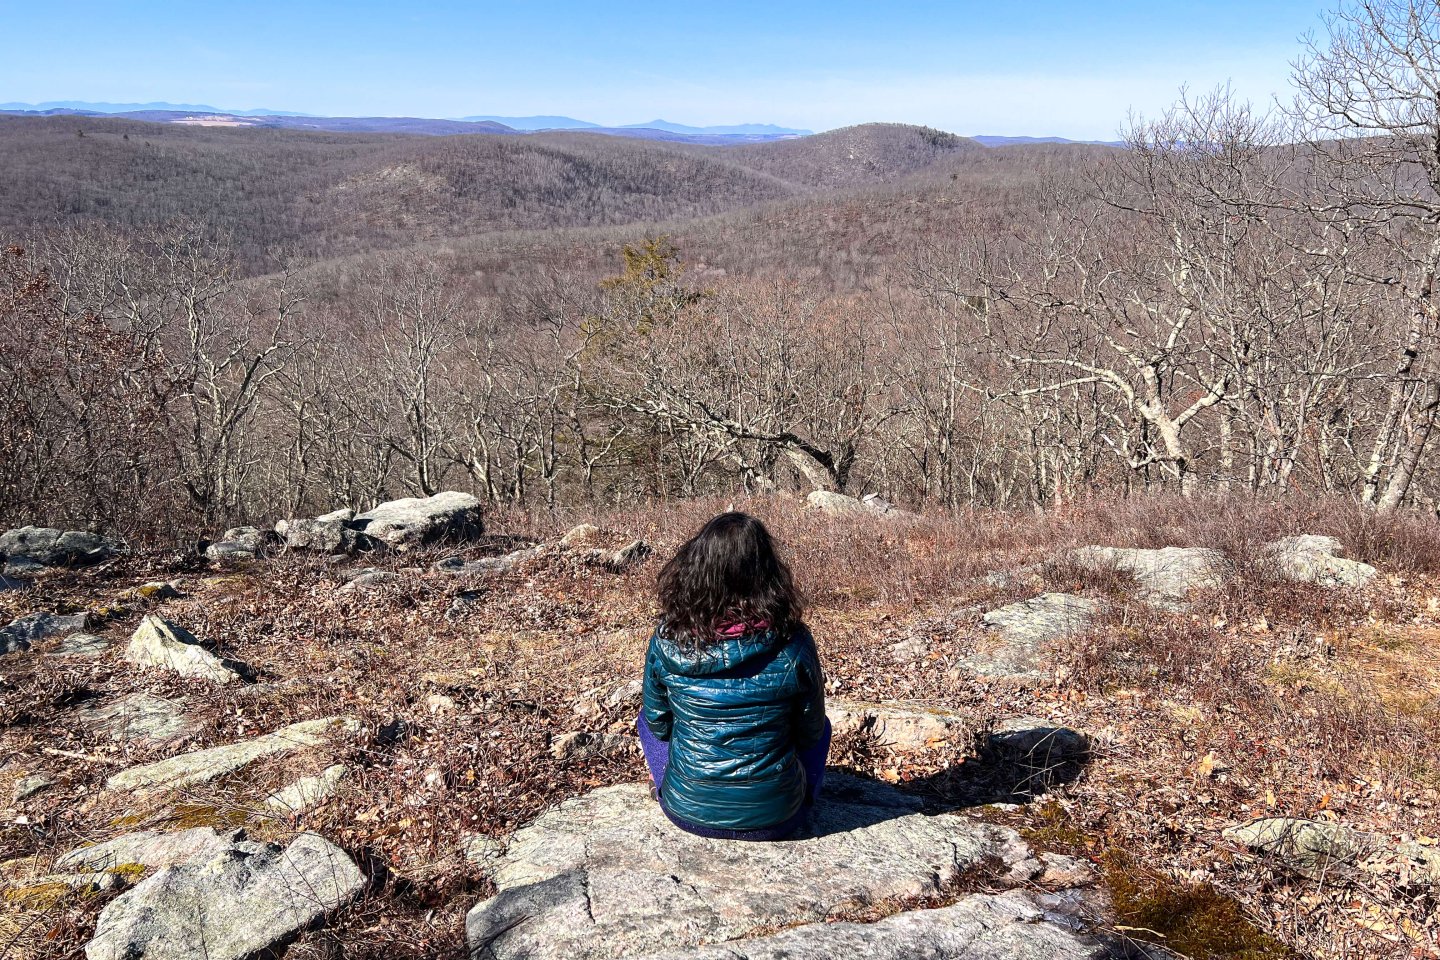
<point x="1013" y="764"/>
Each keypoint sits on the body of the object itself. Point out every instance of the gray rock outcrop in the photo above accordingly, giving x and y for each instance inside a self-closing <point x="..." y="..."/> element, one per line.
<point x="1166" y="575"/>
<point x="150" y="848"/>
<point x="50" y="547"/>
<point x="30" y="629"/>
<point x="840" y="505"/>
<point x="902" y="727"/>
<point x="82" y="645"/>
<point x="1318" y="847"/>
<point x="33" y="785"/>
<point x="1005" y="926"/>
<point x="415" y="521"/>
<point x="1306" y="844"/>
<point x="460" y="567"/>
<point x="307" y="792"/>
<point x="203" y="765"/>
<point x="160" y="643"/>
<point x="607" y="875"/>
<point x="1308" y="558"/>
<point x="1026" y="630"/>
<point x="242" y="543"/>
<point x="248" y="899"/>
<point x="370" y="580"/>
<point x="18" y="569"/>
<point x="331" y="533"/>
<point x="135" y="716"/>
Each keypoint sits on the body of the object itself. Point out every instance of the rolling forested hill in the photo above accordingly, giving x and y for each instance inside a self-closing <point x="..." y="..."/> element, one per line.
<point x="318" y="195"/>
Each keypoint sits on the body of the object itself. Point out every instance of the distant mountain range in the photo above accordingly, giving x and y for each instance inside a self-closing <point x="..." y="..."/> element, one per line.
<point x="535" y="123"/>
<point x="87" y="106"/>
<point x="206" y="115"/>
<point x="570" y="123"/>
<point x="992" y="141"/>
<point x="524" y="124"/>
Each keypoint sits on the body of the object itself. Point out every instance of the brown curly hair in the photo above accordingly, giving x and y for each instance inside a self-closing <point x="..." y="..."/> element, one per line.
<point x="729" y="572"/>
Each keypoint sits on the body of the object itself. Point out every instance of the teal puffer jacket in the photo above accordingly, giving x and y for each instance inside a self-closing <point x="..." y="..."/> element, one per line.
<point x="735" y="714"/>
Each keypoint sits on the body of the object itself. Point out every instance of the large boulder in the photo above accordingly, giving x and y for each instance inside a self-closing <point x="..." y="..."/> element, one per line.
<point x="28" y="630"/>
<point x="607" y="875"/>
<point x="247" y="900"/>
<point x="242" y="543"/>
<point x="50" y="547"/>
<point x="160" y="643"/>
<point x="1166" y="575"/>
<point x="332" y="533"/>
<point x="1308" y="558"/>
<point x="415" y="521"/>
<point x="204" y="765"/>
<point x="840" y="505"/>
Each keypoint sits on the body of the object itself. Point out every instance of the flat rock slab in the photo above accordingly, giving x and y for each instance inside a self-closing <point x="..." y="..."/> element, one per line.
<point x="30" y="786"/>
<point x="137" y="716"/>
<point x="81" y="645"/>
<point x="1026" y="630"/>
<point x="370" y="580"/>
<point x="23" y="567"/>
<point x="460" y="567"/>
<point x="150" y="848"/>
<point x="248" y="899"/>
<point x="607" y="875"/>
<point x="898" y="726"/>
<point x="204" y="765"/>
<point x="28" y="630"/>
<point x="1007" y="926"/>
<point x="1316" y="847"/>
<point x="1166" y="574"/>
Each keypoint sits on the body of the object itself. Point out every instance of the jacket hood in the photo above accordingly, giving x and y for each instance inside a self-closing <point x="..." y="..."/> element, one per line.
<point x="721" y="654"/>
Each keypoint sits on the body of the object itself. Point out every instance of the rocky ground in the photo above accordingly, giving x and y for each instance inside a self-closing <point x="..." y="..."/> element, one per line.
<point x="1146" y="730"/>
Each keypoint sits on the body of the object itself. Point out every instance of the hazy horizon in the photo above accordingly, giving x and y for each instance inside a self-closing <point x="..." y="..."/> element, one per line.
<point x="1046" y="69"/>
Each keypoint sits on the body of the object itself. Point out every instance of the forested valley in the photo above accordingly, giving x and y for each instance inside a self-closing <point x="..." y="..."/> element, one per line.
<point x="209" y="326"/>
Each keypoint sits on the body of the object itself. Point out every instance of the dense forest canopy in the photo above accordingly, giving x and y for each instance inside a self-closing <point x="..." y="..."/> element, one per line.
<point x="213" y="325"/>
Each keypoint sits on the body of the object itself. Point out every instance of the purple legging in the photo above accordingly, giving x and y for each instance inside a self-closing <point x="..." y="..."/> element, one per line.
<point x="812" y="761"/>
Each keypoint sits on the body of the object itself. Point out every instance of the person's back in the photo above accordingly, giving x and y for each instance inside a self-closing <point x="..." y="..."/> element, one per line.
<point x="733" y="724"/>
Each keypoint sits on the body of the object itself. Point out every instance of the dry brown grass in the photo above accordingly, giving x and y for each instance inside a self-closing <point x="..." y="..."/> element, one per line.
<point x="1262" y="699"/>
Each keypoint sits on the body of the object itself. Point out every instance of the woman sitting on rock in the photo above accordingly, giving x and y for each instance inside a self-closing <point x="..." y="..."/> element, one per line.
<point x="733" y="725"/>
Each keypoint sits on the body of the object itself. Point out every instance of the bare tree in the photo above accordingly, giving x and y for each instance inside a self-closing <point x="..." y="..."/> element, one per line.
<point x="1368" y="105"/>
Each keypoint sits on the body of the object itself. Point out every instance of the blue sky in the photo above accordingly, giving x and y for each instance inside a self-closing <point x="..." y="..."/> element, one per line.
<point x="1017" y="67"/>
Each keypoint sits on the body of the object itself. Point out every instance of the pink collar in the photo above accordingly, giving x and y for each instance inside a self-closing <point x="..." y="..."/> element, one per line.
<point x="741" y="628"/>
